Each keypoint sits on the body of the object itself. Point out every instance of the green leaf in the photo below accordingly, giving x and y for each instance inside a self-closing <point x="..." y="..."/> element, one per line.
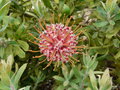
<point x="12" y="43"/>
<point x="93" y="67"/>
<point x="4" y="27"/>
<point x="85" y="60"/>
<point x="95" y="35"/>
<point x="14" y="21"/>
<point x="4" y="9"/>
<point x="76" y="72"/>
<point x="109" y="28"/>
<point x="74" y="85"/>
<point x="65" y="72"/>
<point x="110" y="5"/>
<point x="19" y="74"/>
<point x="106" y="81"/>
<point x="58" y="78"/>
<point x="2" y="51"/>
<point x="31" y="14"/>
<point x="104" y="5"/>
<point x="61" y="87"/>
<point x="88" y="88"/>
<point x="70" y="88"/>
<point x="93" y="80"/>
<point x="92" y="64"/>
<point x="61" y="4"/>
<point x="116" y="17"/>
<point x="18" y="51"/>
<point x="25" y="88"/>
<point x="23" y="45"/>
<point x="10" y="61"/>
<point x="5" y="21"/>
<point x="8" y="51"/>
<point x="20" y="29"/>
<point x="101" y="13"/>
<point x="66" y="9"/>
<point x="113" y="32"/>
<point x="33" y="78"/>
<point x="66" y="83"/>
<point x="71" y="74"/>
<point x="3" y="87"/>
<point x="112" y="22"/>
<point x="39" y="8"/>
<point x="47" y="3"/>
<point x="117" y="55"/>
<point x="101" y="23"/>
<point x="56" y="1"/>
<point x="116" y="42"/>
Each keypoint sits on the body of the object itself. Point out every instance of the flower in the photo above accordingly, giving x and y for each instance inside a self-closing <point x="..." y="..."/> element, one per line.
<point x="57" y="42"/>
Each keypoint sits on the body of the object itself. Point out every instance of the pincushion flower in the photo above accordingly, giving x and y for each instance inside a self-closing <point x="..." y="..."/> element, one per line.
<point x="57" y="42"/>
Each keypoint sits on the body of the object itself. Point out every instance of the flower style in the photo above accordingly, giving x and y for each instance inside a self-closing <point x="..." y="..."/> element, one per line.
<point x="57" y="42"/>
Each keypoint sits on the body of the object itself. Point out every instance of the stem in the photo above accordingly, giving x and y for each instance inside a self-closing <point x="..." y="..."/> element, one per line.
<point x="36" y="84"/>
<point x="98" y="47"/>
<point x="86" y="74"/>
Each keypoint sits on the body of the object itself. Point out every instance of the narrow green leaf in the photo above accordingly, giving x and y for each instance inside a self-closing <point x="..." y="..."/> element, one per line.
<point x="65" y="83"/>
<point x="113" y="32"/>
<point x="61" y="87"/>
<point x="31" y="14"/>
<point x="116" y="42"/>
<point x="56" y="1"/>
<point x="66" y="9"/>
<point x="101" y="23"/>
<point x="117" y="55"/>
<point x="93" y="80"/>
<point x="93" y="67"/>
<point x="110" y="5"/>
<point x="71" y="74"/>
<point x="2" y="51"/>
<point x="74" y="85"/>
<point x="20" y="29"/>
<point x="19" y="74"/>
<point x="47" y="3"/>
<point x="4" y="9"/>
<point x="65" y="71"/>
<point x="76" y="73"/>
<point x="8" y="51"/>
<point x="4" y="27"/>
<point x="116" y="17"/>
<point x="12" y="43"/>
<point x="106" y="81"/>
<point x="101" y="13"/>
<point x="10" y="61"/>
<point x="23" y="45"/>
<point x="58" y="78"/>
<point x="112" y="22"/>
<point x="18" y="51"/>
<point x="25" y="88"/>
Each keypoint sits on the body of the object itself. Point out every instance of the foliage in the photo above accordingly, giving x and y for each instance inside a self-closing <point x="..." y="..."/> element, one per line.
<point x="104" y="32"/>
<point x="103" y="82"/>
<point x="99" y="18"/>
<point x="8" y="78"/>
<point x="39" y="78"/>
<point x="77" y="78"/>
<point x="106" y="27"/>
<point x="11" y="34"/>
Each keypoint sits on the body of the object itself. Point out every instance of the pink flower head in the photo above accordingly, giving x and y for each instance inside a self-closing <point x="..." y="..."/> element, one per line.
<point x="58" y="42"/>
